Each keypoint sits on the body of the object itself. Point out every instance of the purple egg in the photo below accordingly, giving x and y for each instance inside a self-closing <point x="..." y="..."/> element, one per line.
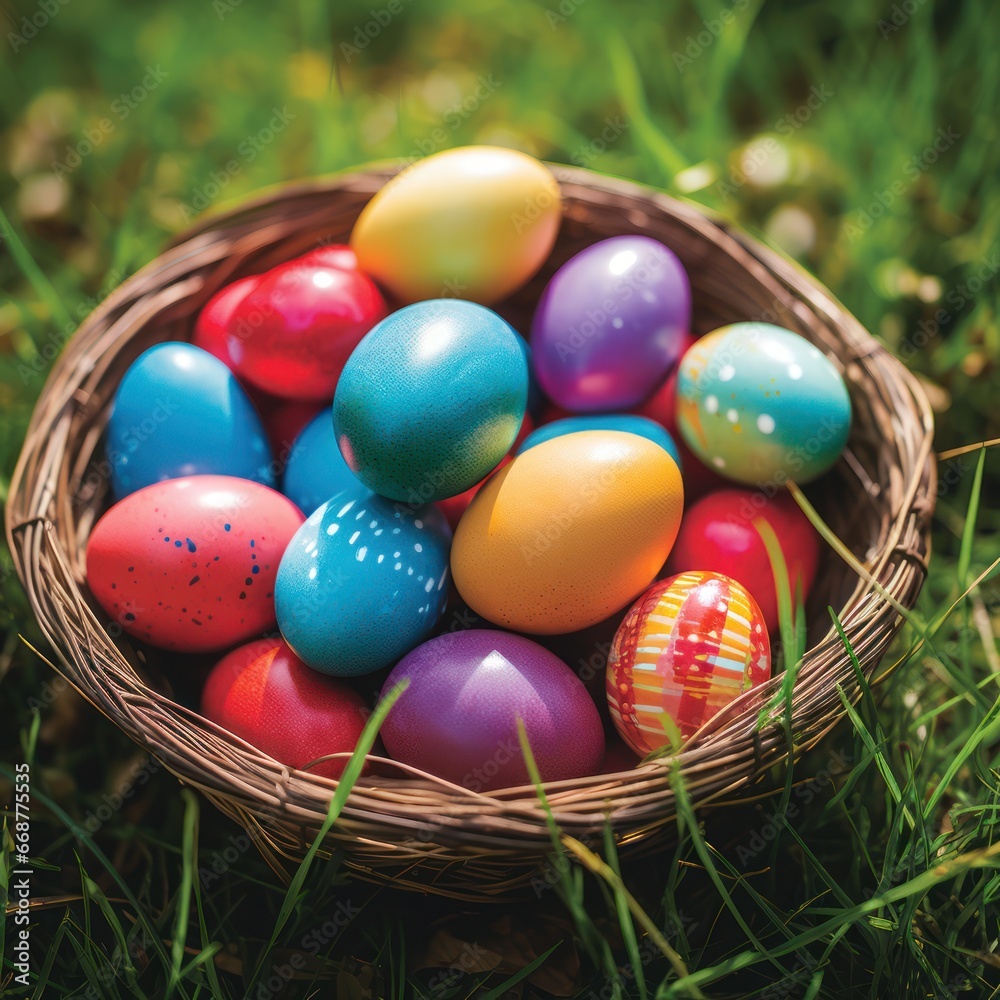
<point x="458" y="717"/>
<point x="611" y="324"/>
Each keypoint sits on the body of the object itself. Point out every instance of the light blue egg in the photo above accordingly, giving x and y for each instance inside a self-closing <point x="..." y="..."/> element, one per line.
<point x="431" y="400"/>
<point x="363" y="581"/>
<point x="762" y="405"/>
<point x="180" y="412"/>
<point x="315" y="470"/>
<point x="628" y="422"/>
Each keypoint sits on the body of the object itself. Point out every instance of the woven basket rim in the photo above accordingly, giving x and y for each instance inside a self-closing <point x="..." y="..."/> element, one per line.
<point x="493" y="833"/>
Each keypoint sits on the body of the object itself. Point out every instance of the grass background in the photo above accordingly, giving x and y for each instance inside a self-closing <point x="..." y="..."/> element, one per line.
<point x="859" y="136"/>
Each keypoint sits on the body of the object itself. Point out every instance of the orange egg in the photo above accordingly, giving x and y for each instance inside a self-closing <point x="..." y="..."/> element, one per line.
<point x="474" y="223"/>
<point x="569" y="532"/>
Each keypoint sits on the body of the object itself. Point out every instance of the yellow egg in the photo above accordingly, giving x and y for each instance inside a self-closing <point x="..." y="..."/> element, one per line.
<point x="470" y="223"/>
<point x="569" y="532"/>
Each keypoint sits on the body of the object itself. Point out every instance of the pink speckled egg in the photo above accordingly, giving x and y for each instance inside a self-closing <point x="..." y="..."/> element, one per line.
<point x="458" y="718"/>
<point x="189" y="564"/>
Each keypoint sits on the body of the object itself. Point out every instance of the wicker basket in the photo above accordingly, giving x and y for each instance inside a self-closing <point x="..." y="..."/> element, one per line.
<point x="414" y="829"/>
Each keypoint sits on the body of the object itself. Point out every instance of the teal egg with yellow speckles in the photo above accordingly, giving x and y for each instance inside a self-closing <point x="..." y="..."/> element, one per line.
<point x="431" y="400"/>
<point x="362" y="582"/>
<point x="761" y="404"/>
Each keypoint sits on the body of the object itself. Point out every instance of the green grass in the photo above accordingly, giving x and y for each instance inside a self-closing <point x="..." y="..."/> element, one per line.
<point x="873" y="869"/>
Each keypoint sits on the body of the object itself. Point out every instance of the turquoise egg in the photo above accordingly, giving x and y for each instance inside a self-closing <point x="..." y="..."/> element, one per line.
<point x="315" y="470"/>
<point x="431" y="400"/>
<point x="629" y="422"/>
<point x="362" y="582"/>
<point x="761" y="404"/>
<point x="180" y="412"/>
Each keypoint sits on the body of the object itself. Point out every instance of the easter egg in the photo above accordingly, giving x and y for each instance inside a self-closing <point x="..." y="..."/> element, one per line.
<point x="293" y="333"/>
<point x="212" y="326"/>
<point x="316" y="470"/>
<point x="687" y="648"/>
<point x="431" y="400"/>
<point x="626" y="422"/>
<point x="458" y="717"/>
<point x="284" y="420"/>
<point x="264" y="694"/>
<point x="569" y="532"/>
<point x="475" y="222"/>
<point x="718" y="535"/>
<point x="362" y="582"/>
<point x="762" y="405"/>
<point x="190" y="564"/>
<point x="610" y="324"/>
<point x="180" y="412"/>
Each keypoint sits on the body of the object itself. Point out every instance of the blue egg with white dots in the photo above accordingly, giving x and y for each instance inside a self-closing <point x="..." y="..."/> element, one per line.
<point x="431" y="400"/>
<point x="179" y="411"/>
<point x="315" y="470"/>
<point x="628" y="422"/>
<point x="363" y="581"/>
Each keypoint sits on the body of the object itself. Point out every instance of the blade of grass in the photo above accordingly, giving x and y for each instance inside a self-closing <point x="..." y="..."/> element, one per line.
<point x="189" y="842"/>
<point x="33" y="273"/>
<point x="622" y="909"/>
<point x="972" y="515"/>
<point x="351" y="774"/>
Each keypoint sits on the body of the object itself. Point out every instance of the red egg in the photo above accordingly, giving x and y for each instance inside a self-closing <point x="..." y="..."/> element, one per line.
<point x="189" y="564"/>
<point x="718" y="535"/>
<point x="661" y="406"/>
<point x="686" y="649"/>
<point x="293" y="333"/>
<point x="454" y="507"/>
<point x="263" y="693"/>
<point x="212" y="325"/>
<point x="284" y="419"/>
<point x="335" y="255"/>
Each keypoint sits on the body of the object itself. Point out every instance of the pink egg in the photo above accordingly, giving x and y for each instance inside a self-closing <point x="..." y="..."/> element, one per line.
<point x="263" y="693"/>
<point x="213" y="321"/>
<point x="458" y="718"/>
<point x="189" y="564"/>
<point x="686" y="649"/>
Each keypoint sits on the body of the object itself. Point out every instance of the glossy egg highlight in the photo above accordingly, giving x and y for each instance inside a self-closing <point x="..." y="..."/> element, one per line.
<point x="293" y="333"/>
<point x="264" y="694"/>
<point x="458" y="717"/>
<point x="611" y="324"/>
<point x="475" y="222"/>
<point x="687" y="648"/>
<point x="190" y="564"/>
<point x="431" y="400"/>
<point x="179" y="411"/>
<point x="363" y="581"/>
<point x="762" y="405"/>
<point x="569" y="532"/>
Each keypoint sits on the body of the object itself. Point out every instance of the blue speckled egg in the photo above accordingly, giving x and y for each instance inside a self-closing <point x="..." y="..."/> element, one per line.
<point x="315" y="470"/>
<point x="180" y="412"/>
<point x="628" y="422"/>
<point x="363" y="581"/>
<point x="762" y="405"/>
<point x="431" y="400"/>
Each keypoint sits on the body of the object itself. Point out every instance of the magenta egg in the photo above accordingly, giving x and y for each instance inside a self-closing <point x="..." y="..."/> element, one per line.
<point x="458" y="718"/>
<point x="611" y="324"/>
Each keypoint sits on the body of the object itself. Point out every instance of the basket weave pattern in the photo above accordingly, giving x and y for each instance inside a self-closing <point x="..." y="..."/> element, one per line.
<point x="419" y="831"/>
